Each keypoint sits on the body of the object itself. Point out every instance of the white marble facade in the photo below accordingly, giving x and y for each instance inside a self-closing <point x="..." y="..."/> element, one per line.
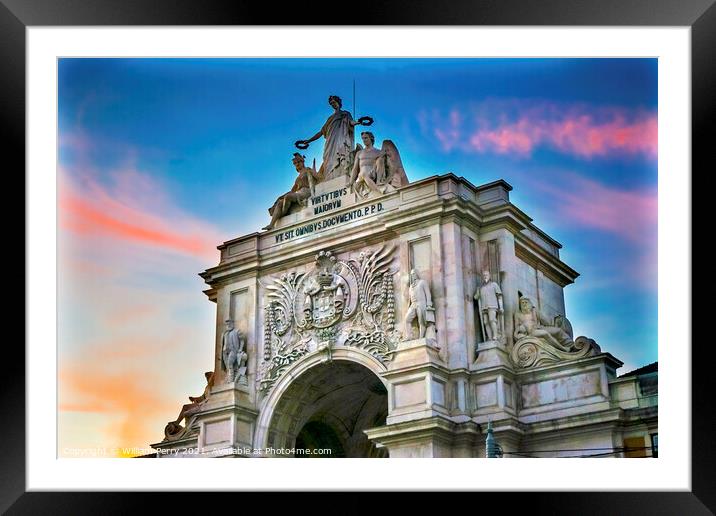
<point x="321" y="300"/>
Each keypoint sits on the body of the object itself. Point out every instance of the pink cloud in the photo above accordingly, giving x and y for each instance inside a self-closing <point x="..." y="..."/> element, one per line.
<point x="517" y="128"/>
<point x="450" y="135"/>
<point x="583" y="204"/>
<point x="577" y="200"/>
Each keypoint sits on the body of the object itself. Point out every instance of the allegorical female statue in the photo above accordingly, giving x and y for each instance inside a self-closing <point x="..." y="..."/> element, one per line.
<point x="339" y="134"/>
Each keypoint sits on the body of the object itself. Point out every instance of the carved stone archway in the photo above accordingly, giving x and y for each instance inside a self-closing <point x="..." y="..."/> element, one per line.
<point x="344" y="392"/>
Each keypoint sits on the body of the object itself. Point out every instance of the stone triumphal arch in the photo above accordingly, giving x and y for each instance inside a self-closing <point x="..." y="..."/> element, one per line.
<point x="379" y="317"/>
<point x="326" y="402"/>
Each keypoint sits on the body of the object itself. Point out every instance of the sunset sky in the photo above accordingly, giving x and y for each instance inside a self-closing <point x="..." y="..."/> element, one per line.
<point x="161" y="160"/>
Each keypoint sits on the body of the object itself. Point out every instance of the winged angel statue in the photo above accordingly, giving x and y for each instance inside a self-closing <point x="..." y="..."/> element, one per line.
<point x="376" y="170"/>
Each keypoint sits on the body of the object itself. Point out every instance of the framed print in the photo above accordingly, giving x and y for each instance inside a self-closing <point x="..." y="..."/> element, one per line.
<point x="429" y="237"/>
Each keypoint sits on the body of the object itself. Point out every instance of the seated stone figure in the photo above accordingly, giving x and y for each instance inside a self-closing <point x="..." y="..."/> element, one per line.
<point x="303" y="188"/>
<point x="529" y="324"/>
<point x="174" y="428"/>
<point x="376" y="170"/>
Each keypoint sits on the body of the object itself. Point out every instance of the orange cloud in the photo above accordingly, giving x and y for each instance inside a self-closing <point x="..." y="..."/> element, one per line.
<point x="90" y="210"/>
<point x="129" y="400"/>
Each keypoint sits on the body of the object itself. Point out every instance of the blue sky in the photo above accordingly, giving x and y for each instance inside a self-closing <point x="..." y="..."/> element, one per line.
<point x="162" y="159"/>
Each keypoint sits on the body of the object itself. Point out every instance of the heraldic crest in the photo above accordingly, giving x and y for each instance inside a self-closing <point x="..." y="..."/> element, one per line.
<point x="338" y="303"/>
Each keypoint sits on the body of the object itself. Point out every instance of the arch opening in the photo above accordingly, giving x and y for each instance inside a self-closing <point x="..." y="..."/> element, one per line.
<point x="324" y="411"/>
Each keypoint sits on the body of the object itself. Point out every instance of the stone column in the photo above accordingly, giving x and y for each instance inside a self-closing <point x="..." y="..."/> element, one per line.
<point x="454" y="282"/>
<point x="419" y="423"/>
<point x="228" y="423"/>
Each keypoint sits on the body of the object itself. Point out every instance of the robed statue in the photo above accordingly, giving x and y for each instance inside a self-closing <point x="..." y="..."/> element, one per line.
<point x="529" y="323"/>
<point x="340" y="139"/>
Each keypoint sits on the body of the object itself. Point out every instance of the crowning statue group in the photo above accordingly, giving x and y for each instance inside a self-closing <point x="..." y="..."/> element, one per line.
<point x="370" y="170"/>
<point x="379" y="171"/>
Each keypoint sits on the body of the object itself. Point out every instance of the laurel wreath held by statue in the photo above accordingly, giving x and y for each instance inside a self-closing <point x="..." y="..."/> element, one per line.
<point x="364" y="120"/>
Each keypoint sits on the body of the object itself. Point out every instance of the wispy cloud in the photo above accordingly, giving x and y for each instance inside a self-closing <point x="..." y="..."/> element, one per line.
<point x="122" y="211"/>
<point x="519" y="127"/>
<point x="133" y="322"/>
<point x="584" y="202"/>
<point x="621" y="218"/>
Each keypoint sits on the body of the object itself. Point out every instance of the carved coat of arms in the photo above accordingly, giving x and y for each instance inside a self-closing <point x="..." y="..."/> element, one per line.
<point x="339" y="302"/>
<point x="325" y="292"/>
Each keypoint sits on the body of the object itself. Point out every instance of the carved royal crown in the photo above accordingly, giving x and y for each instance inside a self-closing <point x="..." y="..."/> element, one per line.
<point x="325" y="261"/>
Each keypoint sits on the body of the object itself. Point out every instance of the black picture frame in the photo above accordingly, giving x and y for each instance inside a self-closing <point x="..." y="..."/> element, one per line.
<point x="700" y="15"/>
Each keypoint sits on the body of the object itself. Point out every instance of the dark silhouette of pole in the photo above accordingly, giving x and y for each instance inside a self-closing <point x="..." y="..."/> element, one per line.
<point x="492" y="449"/>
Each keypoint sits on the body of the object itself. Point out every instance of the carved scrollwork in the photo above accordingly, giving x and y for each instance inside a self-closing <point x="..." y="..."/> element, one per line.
<point x="272" y="370"/>
<point x="175" y="431"/>
<point x="281" y="302"/>
<point x="535" y="352"/>
<point x="376" y="343"/>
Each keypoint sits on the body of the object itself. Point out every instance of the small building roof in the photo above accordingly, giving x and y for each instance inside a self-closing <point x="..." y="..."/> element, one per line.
<point x="651" y="368"/>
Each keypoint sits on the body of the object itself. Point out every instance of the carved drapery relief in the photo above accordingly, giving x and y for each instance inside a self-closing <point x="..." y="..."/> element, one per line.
<point x="339" y="302"/>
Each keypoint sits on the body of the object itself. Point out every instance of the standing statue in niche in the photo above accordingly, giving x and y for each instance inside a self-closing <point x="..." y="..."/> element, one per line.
<point x="420" y="307"/>
<point x="233" y="354"/>
<point x="489" y="299"/>
<point x="529" y="324"/>
<point x="377" y="170"/>
<point x="340" y="138"/>
<point x="303" y="188"/>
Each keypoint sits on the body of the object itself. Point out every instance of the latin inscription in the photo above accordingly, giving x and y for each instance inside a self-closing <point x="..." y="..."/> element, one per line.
<point x="328" y="201"/>
<point x="336" y="220"/>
